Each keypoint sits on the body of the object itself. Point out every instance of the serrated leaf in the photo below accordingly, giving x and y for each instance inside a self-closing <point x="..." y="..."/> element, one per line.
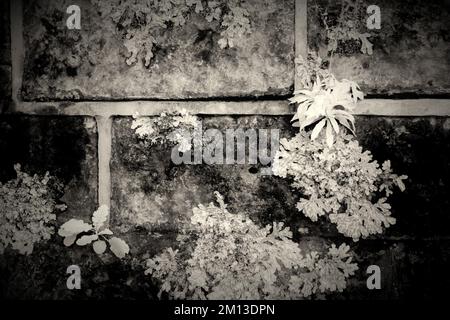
<point x="119" y="247"/>
<point x="74" y="227"/>
<point x="100" y="216"/>
<point x="84" y="240"/>
<point x="99" y="246"/>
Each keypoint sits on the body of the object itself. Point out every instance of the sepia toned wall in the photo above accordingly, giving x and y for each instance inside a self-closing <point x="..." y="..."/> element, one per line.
<point x="68" y="96"/>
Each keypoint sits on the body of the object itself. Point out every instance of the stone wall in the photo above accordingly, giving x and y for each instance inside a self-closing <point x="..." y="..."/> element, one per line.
<point x="5" y="55"/>
<point x="75" y="82"/>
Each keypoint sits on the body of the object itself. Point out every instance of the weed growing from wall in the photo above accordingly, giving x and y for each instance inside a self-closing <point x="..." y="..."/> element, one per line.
<point x="28" y="210"/>
<point x="223" y="255"/>
<point x="332" y="172"/>
<point x="342" y="182"/>
<point x="95" y="233"/>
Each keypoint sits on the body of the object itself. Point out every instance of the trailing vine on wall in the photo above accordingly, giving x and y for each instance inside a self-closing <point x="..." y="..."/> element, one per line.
<point x="140" y="22"/>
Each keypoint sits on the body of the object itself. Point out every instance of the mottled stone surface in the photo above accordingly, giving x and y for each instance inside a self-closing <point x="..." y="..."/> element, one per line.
<point x="188" y="62"/>
<point x="410" y="52"/>
<point x="5" y="38"/>
<point x="409" y="270"/>
<point x="42" y="275"/>
<point x="63" y="146"/>
<point x="5" y="82"/>
<point x="419" y="148"/>
<point x="5" y="55"/>
<point x="151" y="192"/>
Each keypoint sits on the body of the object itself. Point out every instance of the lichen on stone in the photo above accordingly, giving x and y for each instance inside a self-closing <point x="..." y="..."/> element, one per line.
<point x="168" y="127"/>
<point x="28" y="209"/>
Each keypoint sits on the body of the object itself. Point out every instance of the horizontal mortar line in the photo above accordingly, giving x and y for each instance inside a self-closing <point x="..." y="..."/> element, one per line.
<point x="243" y="98"/>
<point x="368" y="107"/>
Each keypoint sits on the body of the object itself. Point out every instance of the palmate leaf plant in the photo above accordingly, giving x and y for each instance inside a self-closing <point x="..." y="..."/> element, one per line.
<point x="224" y="255"/>
<point x="326" y="106"/>
<point x="82" y="233"/>
<point x="331" y="171"/>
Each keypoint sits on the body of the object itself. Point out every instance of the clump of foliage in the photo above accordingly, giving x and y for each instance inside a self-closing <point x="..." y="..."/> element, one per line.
<point x="227" y="256"/>
<point x="27" y="210"/>
<point x="333" y="173"/>
<point x="345" y="21"/>
<point x="342" y="181"/>
<point x="167" y="127"/>
<point x="95" y="233"/>
<point x="139" y="22"/>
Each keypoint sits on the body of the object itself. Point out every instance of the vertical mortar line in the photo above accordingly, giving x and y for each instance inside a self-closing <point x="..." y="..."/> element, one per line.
<point x="17" y="49"/>
<point x="104" y="125"/>
<point x="301" y="33"/>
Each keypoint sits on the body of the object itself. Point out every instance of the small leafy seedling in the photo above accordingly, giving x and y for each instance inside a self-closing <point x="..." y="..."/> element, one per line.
<point x="328" y="104"/>
<point x="94" y="233"/>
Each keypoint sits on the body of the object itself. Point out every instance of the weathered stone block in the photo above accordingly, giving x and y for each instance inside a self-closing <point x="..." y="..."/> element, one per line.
<point x="43" y="275"/>
<point x="409" y="270"/>
<point x="5" y="80"/>
<point x="187" y="60"/>
<point x="410" y="50"/>
<point x="417" y="147"/>
<point x="63" y="146"/>
<point x="5" y="35"/>
<point x="150" y="191"/>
